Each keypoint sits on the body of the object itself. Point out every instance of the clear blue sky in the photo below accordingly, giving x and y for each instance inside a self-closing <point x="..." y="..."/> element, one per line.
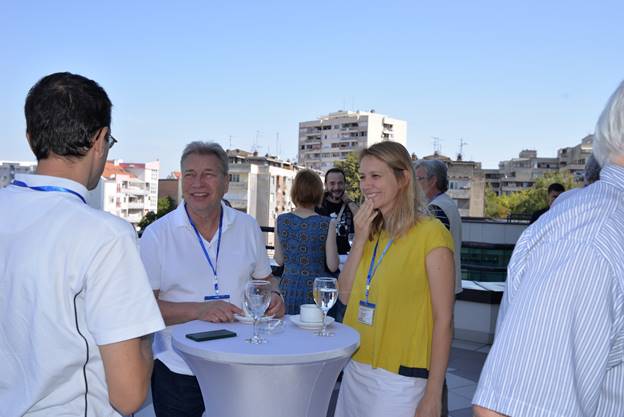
<point x="504" y="76"/>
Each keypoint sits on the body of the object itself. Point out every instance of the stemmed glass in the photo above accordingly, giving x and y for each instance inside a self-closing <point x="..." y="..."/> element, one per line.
<point x="257" y="300"/>
<point x="325" y="292"/>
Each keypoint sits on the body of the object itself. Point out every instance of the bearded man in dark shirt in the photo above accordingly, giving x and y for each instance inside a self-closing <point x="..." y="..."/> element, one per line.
<point x="337" y="204"/>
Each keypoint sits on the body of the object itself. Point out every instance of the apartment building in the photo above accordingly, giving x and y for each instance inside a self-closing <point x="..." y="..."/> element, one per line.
<point x="127" y="190"/>
<point x="520" y="173"/>
<point x="573" y="159"/>
<point x="330" y="138"/>
<point x="8" y="169"/>
<point x="260" y="185"/>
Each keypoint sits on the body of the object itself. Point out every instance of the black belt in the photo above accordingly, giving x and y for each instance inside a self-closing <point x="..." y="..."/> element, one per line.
<point x="414" y="372"/>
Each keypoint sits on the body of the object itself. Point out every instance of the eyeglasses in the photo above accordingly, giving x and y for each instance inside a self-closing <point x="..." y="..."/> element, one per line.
<point x="420" y="178"/>
<point x="111" y="141"/>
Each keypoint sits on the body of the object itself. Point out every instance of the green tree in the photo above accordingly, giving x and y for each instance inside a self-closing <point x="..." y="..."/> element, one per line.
<point x="493" y="207"/>
<point x="525" y="202"/>
<point x="351" y="167"/>
<point x="164" y="206"/>
<point x="148" y="218"/>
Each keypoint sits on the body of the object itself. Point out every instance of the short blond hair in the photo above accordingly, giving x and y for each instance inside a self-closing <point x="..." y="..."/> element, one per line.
<point x="410" y="204"/>
<point x="307" y="188"/>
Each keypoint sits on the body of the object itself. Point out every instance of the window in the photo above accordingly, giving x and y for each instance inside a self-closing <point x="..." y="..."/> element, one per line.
<point x="234" y="177"/>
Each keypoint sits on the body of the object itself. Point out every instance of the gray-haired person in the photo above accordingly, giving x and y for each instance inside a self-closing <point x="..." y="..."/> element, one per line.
<point x="432" y="175"/>
<point x="198" y="259"/>
<point x="560" y="333"/>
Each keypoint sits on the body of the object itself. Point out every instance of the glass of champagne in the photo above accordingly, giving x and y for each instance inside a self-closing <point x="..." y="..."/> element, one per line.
<point x="257" y="300"/>
<point x="325" y="293"/>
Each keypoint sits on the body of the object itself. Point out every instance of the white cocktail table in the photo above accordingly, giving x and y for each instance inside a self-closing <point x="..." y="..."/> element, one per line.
<point x="292" y="375"/>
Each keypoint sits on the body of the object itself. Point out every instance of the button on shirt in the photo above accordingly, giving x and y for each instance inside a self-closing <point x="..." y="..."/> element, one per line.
<point x="67" y="271"/>
<point x="177" y="267"/>
<point x="559" y="339"/>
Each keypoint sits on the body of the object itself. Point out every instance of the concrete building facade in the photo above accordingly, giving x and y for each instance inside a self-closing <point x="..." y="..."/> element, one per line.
<point x="331" y="138"/>
<point x="520" y="173"/>
<point x="171" y="187"/>
<point x="127" y="190"/>
<point x="260" y="185"/>
<point x="8" y="169"/>
<point x="573" y="159"/>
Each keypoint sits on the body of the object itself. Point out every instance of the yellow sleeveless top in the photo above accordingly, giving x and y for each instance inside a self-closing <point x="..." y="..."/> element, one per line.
<point x="403" y="323"/>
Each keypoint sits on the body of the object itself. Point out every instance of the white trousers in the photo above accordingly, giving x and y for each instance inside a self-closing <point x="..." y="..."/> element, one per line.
<point x="368" y="392"/>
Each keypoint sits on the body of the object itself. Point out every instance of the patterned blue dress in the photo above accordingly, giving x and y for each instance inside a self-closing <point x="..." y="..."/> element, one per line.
<point x="303" y="246"/>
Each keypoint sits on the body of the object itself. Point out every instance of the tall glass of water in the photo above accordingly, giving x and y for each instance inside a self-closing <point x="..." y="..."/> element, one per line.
<point x="257" y="300"/>
<point x="325" y="293"/>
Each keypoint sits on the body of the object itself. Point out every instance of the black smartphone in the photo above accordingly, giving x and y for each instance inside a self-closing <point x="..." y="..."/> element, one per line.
<point x="211" y="335"/>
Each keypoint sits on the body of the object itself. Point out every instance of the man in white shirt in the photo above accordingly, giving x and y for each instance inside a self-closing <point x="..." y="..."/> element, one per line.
<point x="74" y="297"/>
<point x="198" y="259"/>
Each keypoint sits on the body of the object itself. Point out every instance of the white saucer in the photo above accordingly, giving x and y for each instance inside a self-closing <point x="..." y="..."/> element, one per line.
<point x="248" y="319"/>
<point x="310" y="326"/>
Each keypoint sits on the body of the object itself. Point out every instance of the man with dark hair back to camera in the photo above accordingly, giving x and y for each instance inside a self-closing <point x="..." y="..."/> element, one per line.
<point x="75" y="299"/>
<point x="336" y="204"/>
<point x="554" y="190"/>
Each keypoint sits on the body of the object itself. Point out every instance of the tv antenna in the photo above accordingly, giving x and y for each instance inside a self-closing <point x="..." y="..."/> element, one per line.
<point x="460" y="155"/>
<point x="437" y="147"/>
<point x="255" y="147"/>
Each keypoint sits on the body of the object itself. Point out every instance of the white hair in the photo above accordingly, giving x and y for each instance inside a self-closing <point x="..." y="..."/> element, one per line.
<point x="609" y="135"/>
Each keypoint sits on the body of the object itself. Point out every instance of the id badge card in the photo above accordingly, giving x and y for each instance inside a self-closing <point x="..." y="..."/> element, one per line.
<point x="366" y="313"/>
<point x="217" y="297"/>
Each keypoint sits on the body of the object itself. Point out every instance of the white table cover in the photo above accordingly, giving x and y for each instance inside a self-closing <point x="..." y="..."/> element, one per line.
<point x="292" y="375"/>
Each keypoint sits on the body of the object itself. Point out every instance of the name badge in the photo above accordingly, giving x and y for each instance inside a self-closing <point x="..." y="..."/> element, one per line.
<point x="217" y="297"/>
<point x="366" y="313"/>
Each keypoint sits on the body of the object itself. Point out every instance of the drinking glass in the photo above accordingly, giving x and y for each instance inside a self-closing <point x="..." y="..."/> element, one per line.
<point x="325" y="293"/>
<point x="257" y="300"/>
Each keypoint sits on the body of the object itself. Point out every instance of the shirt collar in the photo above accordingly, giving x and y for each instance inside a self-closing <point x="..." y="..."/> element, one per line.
<point x="613" y="175"/>
<point x="36" y="180"/>
<point x="182" y="220"/>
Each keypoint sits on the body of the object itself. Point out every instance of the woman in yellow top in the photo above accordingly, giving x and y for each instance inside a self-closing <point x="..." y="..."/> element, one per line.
<point x="399" y="284"/>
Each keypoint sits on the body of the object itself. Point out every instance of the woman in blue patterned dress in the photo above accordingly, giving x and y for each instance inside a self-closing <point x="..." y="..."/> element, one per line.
<point x="305" y="243"/>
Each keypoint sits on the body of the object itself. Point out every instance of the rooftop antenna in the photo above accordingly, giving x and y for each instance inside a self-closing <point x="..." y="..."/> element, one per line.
<point x="230" y="141"/>
<point x="277" y="149"/>
<point x="255" y="147"/>
<point x="460" y="155"/>
<point x="437" y="147"/>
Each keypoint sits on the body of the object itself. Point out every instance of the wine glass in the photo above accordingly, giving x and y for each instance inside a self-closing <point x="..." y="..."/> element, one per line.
<point x="325" y="293"/>
<point x="257" y="300"/>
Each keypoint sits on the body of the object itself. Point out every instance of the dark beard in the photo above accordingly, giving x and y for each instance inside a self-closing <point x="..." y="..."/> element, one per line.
<point x="333" y="199"/>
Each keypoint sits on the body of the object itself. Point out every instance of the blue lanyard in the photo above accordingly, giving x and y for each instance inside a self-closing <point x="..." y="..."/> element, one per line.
<point x="48" y="188"/>
<point x="373" y="266"/>
<point x="201" y="242"/>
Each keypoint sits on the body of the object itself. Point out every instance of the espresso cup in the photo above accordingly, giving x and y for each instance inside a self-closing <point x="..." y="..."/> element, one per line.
<point x="310" y="313"/>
